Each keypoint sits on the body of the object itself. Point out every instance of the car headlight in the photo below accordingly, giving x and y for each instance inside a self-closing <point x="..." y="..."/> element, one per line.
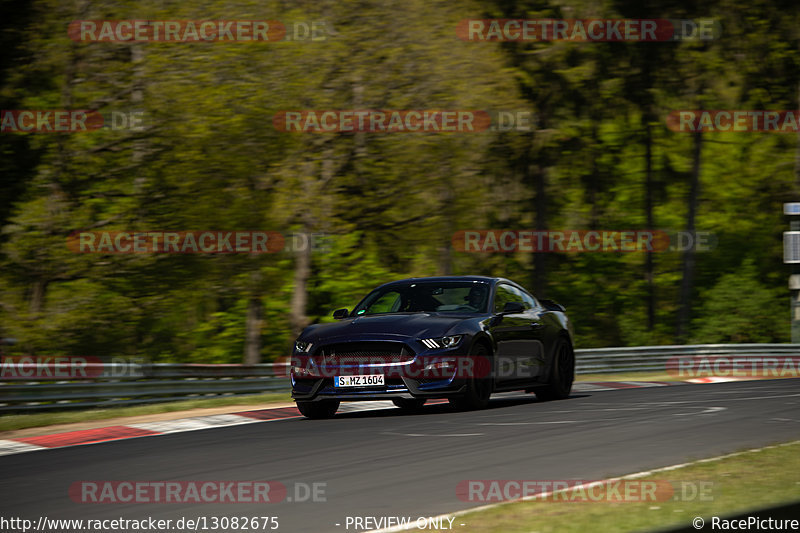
<point x="302" y="346"/>
<point x="443" y="342"/>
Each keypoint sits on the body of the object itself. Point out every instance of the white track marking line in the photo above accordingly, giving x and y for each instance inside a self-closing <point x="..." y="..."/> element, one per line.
<point x="8" y="447"/>
<point x="532" y="423"/>
<point x="431" y="435"/>
<point x="180" y="425"/>
<point x="354" y="407"/>
<point x="667" y="404"/>
<point x="708" y="410"/>
<point x="195" y="423"/>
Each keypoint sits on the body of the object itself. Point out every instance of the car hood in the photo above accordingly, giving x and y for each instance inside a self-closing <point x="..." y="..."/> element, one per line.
<point x="415" y="325"/>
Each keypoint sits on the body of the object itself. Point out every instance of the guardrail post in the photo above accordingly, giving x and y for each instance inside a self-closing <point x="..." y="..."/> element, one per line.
<point x="791" y="255"/>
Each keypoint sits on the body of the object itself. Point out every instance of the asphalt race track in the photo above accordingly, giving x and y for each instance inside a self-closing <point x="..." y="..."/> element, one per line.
<point x="386" y="463"/>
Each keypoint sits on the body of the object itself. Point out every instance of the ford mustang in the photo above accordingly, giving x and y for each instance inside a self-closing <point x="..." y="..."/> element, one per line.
<point x="455" y="337"/>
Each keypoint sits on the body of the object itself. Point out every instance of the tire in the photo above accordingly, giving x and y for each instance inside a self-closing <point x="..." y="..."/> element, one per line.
<point x="562" y="373"/>
<point x="479" y="389"/>
<point x="318" y="410"/>
<point x="409" y="405"/>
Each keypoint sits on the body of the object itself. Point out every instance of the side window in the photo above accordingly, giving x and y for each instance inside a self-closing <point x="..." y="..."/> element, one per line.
<point x="385" y="304"/>
<point x="504" y="294"/>
<point x="529" y="300"/>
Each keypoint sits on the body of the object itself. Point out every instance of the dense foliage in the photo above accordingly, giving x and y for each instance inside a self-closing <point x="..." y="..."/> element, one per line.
<point x="599" y="156"/>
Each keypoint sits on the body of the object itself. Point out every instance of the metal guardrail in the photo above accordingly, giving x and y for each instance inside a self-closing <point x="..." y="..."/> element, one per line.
<point x="655" y="358"/>
<point x="101" y="385"/>
<point x="120" y="384"/>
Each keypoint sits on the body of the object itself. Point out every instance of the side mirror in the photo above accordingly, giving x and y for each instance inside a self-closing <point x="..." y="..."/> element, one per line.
<point x="550" y="305"/>
<point x="511" y="308"/>
<point x="340" y="314"/>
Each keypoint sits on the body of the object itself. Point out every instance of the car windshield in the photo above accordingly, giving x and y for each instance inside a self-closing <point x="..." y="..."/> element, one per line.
<point x="426" y="296"/>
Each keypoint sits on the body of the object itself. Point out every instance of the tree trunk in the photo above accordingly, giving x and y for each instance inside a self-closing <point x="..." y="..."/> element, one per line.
<point x="540" y="259"/>
<point x="297" y="310"/>
<point x="302" y="265"/>
<point x="38" y="291"/>
<point x="446" y="256"/>
<point x="593" y="178"/>
<point x="687" y="283"/>
<point x="253" y="325"/>
<point x="137" y="100"/>
<point x="446" y="198"/>
<point x="648" y="209"/>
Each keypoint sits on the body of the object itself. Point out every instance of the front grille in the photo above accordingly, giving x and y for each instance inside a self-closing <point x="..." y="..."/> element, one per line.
<point x="357" y="353"/>
<point x="425" y="381"/>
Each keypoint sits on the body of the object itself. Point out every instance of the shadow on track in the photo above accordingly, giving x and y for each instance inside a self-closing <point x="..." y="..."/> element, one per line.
<point x="441" y="408"/>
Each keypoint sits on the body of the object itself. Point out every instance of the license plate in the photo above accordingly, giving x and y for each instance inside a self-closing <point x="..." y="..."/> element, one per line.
<point x="370" y="380"/>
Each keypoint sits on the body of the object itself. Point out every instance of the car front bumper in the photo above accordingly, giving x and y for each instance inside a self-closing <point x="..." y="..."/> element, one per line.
<point x="321" y="388"/>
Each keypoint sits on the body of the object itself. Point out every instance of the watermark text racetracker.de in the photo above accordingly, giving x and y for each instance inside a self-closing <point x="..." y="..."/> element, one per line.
<point x="584" y="491"/>
<point x="735" y="366"/>
<point x="192" y="491"/>
<point x="70" y="120"/>
<point x="587" y="30"/>
<point x="56" y="367"/>
<point x="444" y="367"/>
<point x="195" y="242"/>
<point x="577" y="241"/>
<point x="402" y="121"/>
<point x="734" y="120"/>
<point x="192" y="31"/>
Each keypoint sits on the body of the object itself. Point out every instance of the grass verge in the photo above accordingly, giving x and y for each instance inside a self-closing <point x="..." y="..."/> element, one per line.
<point x="750" y="481"/>
<point x="22" y="421"/>
<point x="628" y="376"/>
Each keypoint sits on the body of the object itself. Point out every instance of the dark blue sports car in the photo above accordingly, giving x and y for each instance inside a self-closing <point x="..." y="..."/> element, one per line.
<point x="455" y="337"/>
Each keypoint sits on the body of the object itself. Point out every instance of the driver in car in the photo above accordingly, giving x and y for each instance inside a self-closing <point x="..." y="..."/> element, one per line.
<point x="476" y="296"/>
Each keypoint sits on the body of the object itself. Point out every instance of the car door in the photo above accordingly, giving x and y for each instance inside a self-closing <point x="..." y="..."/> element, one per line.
<point x="532" y="366"/>
<point x="512" y="333"/>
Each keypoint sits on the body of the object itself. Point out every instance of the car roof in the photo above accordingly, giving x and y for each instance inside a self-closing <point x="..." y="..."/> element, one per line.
<point x="484" y="279"/>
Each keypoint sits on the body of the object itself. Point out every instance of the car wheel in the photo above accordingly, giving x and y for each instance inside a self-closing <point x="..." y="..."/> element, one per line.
<point x="409" y="404"/>
<point x="317" y="410"/>
<point x="562" y="374"/>
<point x="479" y="389"/>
